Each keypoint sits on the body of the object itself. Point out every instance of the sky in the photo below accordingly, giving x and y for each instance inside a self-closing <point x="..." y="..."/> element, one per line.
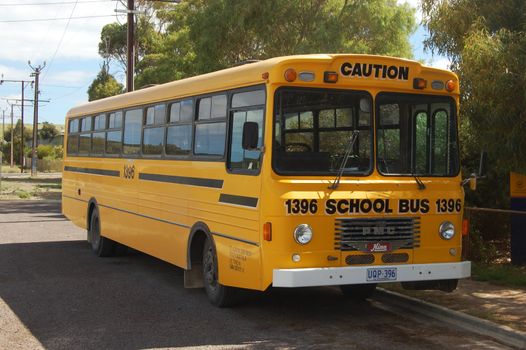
<point x="51" y="31"/>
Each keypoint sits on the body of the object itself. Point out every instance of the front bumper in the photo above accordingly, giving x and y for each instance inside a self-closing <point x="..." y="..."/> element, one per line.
<point x="329" y="276"/>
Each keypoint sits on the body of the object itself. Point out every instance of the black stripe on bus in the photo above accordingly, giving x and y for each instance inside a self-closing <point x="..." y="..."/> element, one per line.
<point x="235" y="238"/>
<point x="238" y="200"/>
<point x="183" y="180"/>
<point x="92" y="171"/>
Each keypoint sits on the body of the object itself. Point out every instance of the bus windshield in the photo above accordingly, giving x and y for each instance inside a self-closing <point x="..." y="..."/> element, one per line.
<point x="313" y="128"/>
<point x="416" y="135"/>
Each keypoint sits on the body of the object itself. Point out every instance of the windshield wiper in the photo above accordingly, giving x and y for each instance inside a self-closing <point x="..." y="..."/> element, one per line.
<point x="421" y="185"/>
<point x="350" y="146"/>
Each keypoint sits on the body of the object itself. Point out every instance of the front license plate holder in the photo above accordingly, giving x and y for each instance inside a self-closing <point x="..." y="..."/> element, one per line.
<point x="381" y="274"/>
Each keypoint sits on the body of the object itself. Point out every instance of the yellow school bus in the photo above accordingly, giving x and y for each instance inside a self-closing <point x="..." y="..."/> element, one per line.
<point x="311" y="170"/>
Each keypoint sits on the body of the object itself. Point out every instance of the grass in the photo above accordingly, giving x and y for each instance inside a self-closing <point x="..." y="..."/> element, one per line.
<point x="501" y="274"/>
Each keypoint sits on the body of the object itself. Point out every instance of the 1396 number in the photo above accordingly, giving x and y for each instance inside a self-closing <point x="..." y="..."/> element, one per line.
<point x="301" y="206"/>
<point x="448" y="205"/>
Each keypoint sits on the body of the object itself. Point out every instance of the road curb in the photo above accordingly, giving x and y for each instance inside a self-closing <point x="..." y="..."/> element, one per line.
<point x="503" y="334"/>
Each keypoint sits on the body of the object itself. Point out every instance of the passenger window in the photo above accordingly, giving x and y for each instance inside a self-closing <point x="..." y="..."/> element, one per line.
<point x="132" y="131"/>
<point x="210" y="139"/>
<point x="115" y="120"/>
<point x="73" y="144"/>
<point x="100" y="122"/>
<point x="73" y="125"/>
<point x="181" y="111"/>
<point x="155" y="115"/>
<point x="212" y="107"/>
<point x="97" y="143"/>
<point x="153" y="141"/>
<point x="179" y="139"/>
<point x="85" y="144"/>
<point x="85" y="124"/>
<point x="113" y="142"/>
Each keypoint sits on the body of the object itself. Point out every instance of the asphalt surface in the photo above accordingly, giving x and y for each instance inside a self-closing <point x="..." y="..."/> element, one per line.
<point x="55" y="294"/>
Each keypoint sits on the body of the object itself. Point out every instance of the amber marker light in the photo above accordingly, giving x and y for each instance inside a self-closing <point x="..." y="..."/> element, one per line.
<point x="290" y="75"/>
<point x="465" y="227"/>
<point x="419" y="83"/>
<point x="330" y="77"/>
<point x="267" y="231"/>
<point x="264" y="76"/>
<point x="450" y="85"/>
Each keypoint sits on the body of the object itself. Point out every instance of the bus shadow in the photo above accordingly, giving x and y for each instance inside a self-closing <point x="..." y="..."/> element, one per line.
<point x="67" y="298"/>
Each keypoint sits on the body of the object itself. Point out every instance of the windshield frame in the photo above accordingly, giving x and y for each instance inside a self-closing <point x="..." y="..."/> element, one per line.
<point x="277" y="105"/>
<point x="427" y="99"/>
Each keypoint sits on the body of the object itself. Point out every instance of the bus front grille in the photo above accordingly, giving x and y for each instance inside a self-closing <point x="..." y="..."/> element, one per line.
<point x="377" y="234"/>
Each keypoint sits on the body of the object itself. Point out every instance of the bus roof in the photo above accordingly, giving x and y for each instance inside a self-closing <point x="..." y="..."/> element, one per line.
<point x="235" y="77"/>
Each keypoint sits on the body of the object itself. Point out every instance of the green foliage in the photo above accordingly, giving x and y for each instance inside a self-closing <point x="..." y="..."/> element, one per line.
<point x="48" y="131"/>
<point x="104" y="85"/>
<point x="199" y="36"/>
<point x="487" y="44"/>
<point x="503" y="274"/>
<point x="6" y="147"/>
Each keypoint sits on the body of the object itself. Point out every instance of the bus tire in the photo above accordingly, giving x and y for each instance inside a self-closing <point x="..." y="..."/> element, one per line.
<point x="100" y="245"/>
<point x="358" y="291"/>
<point x="218" y="294"/>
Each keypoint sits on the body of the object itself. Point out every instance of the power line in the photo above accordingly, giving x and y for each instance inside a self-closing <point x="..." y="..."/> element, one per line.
<point x="61" y="38"/>
<point x="52" y="3"/>
<point x="51" y="19"/>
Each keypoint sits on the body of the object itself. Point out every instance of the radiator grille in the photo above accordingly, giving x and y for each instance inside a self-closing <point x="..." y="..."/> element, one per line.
<point x="377" y="234"/>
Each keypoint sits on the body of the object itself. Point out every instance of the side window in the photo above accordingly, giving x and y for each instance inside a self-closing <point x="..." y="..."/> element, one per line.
<point x="155" y="115"/>
<point x="241" y="159"/>
<point x="210" y="128"/>
<point x="85" y="135"/>
<point x="179" y="131"/>
<point x="153" y="135"/>
<point x="114" y="134"/>
<point x="73" y="137"/>
<point x="132" y="131"/>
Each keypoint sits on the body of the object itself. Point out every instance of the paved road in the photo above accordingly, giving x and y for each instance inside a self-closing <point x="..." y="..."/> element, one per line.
<point x="55" y="294"/>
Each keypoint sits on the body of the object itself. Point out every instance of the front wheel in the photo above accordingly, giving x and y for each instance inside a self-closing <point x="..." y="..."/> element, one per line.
<point x="219" y="295"/>
<point x="358" y="291"/>
<point x="100" y="245"/>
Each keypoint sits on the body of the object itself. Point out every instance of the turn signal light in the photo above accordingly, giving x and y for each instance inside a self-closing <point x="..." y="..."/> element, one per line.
<point x="330" y="77"/>
<point x="450" y="85"/>
<point x="290" y="75"/>
<point x="267" y="231"/>
<point x="419" y="83"/>
<point x="465" y="227"/>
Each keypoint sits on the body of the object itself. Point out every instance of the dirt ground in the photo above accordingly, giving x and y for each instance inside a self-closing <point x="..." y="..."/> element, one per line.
<point x="45" y="186"/>
<point x="502" y="305"/>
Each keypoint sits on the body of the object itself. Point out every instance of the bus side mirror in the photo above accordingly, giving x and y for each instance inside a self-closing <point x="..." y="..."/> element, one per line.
<point x="250" y="135"/>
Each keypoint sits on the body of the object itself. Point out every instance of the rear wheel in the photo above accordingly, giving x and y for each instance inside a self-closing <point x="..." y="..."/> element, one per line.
<point x="218" y="294"/>
<point x="358" y="291"/>
<point x="100" y="245"/>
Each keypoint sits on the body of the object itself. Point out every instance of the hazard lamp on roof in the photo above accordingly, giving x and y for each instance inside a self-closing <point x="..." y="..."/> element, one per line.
<point x="330" y="77"/>
<point x="419" y="83"/>
<point x="450" y="85"/>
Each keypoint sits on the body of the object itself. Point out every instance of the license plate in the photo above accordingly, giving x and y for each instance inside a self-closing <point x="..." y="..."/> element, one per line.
<point x="381" y="274"/>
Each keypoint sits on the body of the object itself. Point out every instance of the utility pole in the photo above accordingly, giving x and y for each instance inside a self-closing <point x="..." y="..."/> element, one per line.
<point x="12" y="133"/>
<point x="130" y="43"/>
<point x="22" y="124"/>
<point x="36" y="73"/>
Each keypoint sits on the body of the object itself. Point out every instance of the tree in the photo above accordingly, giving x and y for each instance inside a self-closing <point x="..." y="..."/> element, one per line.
<point x="48" y="131"/>
<point x="486" y="42"/>
<point x="104" y="85"/>
<point x="28" y="136"/>
<point x="199" y="36"/>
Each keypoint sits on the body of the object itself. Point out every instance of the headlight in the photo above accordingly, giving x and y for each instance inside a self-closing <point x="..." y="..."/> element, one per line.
<point x="303" y="234"/>
<point x="446" y="230"/>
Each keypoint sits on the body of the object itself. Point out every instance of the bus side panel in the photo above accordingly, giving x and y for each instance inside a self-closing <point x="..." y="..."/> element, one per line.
<point x="240" y="264"/>
<point x="73" y="206"/>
